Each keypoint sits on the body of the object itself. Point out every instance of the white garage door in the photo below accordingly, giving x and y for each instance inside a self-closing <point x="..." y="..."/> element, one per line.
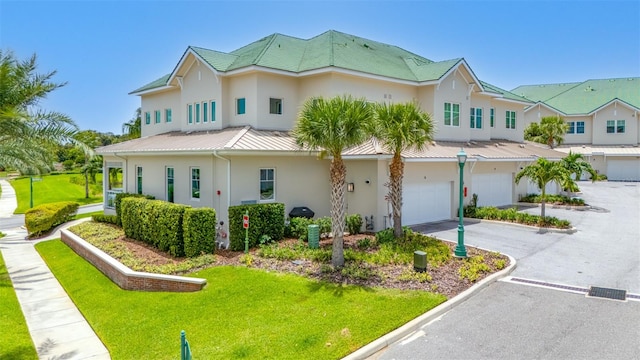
<point x="426" y="202"/>
<point x="492" y="189"/>
<point x="623" y="170"/>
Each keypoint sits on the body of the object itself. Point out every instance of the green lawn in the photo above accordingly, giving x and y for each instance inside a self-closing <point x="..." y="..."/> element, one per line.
<point x="54" y="188"/>
<point x="241" y="313"/>
<point x="15" y="342"/>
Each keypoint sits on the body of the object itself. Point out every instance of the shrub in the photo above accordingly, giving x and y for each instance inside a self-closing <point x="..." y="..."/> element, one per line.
<point x="199" y="229"/>
<point x="131" y="210"/>
<point x="324" y="224"/>
<point x="385" y="236"/>
<point x="472" y="268"/>
<point x="121" y="196"/>
<point x="354" y="224"/>
<point x="470" y="210"/>
<point x="109" y="219"/>
<point x="43" y="218"/>
<point x="300" y="227"/>
<point x="264" y="219"/>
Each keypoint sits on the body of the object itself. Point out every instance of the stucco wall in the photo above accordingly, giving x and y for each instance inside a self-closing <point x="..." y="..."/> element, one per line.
<point x="483" y="102"/>
<point x="242" y="86"/>
<point x="200" y="85"/>
<point x="161" y="101"/>
<point x="278" y="87"/>
<point x="615" y="112"/>
<point x="453" y="89"/>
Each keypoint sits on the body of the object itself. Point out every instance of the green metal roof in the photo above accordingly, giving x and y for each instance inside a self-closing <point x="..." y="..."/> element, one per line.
<point x="329" y="49"/>
<point x="506" y="94"/>
<point x="542" y="92"/>
<point x="585" y="97"/>
<point x="154" y="84"/>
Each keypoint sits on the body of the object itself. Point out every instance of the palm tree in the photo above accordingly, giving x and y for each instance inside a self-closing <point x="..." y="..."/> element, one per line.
<point x="28" y="135"/>
<point x="551" y="131"/>
<point x="399" y="127"/>
<point x="332" y="126"/>
<point x="132" y="129"/>
<point x="541" y="173"/>
<point x="576" y="166"/>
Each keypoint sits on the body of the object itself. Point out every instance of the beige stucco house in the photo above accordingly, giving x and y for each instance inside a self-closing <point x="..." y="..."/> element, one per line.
<point x="215" y="131"/>
<point x="602" y="117"/>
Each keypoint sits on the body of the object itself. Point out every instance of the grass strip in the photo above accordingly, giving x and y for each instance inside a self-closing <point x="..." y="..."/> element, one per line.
<point x="241" y="313"/>
<point x="15" y="342"/>
<point x="53" y="188"/>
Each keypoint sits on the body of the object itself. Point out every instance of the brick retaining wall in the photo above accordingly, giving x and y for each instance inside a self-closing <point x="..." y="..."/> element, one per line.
<point x="125" y="277"/>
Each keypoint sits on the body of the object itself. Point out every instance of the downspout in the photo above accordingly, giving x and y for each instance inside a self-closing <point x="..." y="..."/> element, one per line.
<point x="215" y="153"/>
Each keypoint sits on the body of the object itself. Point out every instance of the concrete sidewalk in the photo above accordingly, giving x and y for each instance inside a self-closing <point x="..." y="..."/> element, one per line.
<point x="58" y="329"/>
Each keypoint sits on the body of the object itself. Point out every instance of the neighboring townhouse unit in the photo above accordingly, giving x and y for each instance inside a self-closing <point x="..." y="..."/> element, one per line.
<point x="602" y="117"/>
<point x="215" y="131"/>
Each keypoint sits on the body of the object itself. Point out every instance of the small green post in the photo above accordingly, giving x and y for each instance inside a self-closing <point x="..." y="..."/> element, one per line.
<point x="30" y="192"/>
<point x="246" y="231"/>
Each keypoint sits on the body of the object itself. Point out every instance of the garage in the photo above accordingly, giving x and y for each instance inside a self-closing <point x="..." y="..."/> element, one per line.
<point x="426" y="202"/>
<point x="623" y="170"/>
<point x="493" y="189"/>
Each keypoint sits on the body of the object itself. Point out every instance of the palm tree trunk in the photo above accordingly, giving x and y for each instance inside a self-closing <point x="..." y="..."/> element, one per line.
<point x="542" y="204"/>
<point x="86" y="184"/>
<point x="396" y="169"/>
<point x="338" y="174"/>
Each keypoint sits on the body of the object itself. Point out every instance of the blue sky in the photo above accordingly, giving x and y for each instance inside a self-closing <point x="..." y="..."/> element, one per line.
<point x="105" y="49"/>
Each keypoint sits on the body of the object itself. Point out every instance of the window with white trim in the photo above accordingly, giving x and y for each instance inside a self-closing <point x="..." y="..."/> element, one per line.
<point x="197" y="112"/>
<point x="190" y="113"/>
<point x="157" y="116"/>
<point x="139" y="179"/>
<point x="476" y="118"/>
<point x="205" y="112"/>
<point x="510" y="117"/>
<point x="167" y="115"/>
<point x="275" y="106"/>
<point x="451" y="114"/>
<point x="195" y="183"/>
<point x="147" y="118"/>
<point x="575" y="127"/>
<point x="615" y="126"/>
<point x="267" y="184"/>
<point x="170" y="179"/>
<point x="213" y="111"/>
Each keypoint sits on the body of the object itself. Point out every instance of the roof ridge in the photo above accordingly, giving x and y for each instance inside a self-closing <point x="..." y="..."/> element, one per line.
<point x="237" y="137"/>
<point x="267" y="46"/>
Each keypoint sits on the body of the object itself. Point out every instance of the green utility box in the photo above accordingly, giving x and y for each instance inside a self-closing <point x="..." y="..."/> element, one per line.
<point x="419" y="261"/>
<point x="313" y="235"/>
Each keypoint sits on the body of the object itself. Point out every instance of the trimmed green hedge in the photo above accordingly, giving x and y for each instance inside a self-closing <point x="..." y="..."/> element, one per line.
<point x="109" y="219"/>
<point x="118" y="201"/>
<point x="264" y="219"/>
<point x="199" y="229"/>
<point x="45" y="217"/>
<point x="156" y="222"/>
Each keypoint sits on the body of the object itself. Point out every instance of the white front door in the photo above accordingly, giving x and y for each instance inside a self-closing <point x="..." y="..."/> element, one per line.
<point x="426" y="202"/>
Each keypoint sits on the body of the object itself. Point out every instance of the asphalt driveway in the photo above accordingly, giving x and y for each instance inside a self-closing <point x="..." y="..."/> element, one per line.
<point x="510" y="319"/>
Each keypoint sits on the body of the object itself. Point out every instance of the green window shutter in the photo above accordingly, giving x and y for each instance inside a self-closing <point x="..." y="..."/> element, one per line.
<point x="205" y="112"/>
<point x="472" y="118"/>
<point x="167" y="115"/>
<point x="492" y="113"/>
<point x="190" y="113"/>
<point x="197" y="112"/>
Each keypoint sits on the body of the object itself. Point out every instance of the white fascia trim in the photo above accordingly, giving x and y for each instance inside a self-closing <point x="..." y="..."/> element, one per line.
<point x="526" y="159"/>
<point x="540" y="103"/>
<point x="154" y="90"/>
<point x="325" y="70"/>
<point x="367" y="157"/>
<point x="437" y="160"/>
<point x="198" y="59"/>
<point x="614" y="101"/>
<point x="473" y="76"/>
<point x="514" y="101"/>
